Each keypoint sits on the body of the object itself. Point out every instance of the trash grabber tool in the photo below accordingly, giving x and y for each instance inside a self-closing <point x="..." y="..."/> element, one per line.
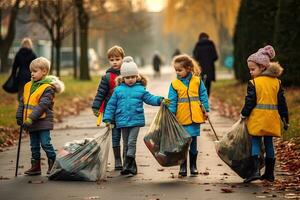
<point x="213" y="129"/>
<point x="18" y="154"/>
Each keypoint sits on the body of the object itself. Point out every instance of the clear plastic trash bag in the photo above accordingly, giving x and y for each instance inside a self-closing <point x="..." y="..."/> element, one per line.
<point x="235" y="149"/>
<point x="166" y="139"/>
<point x="83" y="160"/>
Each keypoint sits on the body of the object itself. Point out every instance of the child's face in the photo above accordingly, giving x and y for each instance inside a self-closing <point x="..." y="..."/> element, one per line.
<point x="181" y="71"/>
<point x="130" y="80"/>
<point x="38" y="73"/>
<point x="254" y="69"/>
<point x="115" y="62"/>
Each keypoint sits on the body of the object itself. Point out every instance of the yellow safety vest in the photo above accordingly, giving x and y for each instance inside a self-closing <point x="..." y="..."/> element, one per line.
<point x="188" y="105"/>
<point x="32" y="100"/>
<point x="264" y="120"/>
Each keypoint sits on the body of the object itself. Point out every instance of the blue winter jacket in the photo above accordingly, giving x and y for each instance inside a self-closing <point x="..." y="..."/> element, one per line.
<point x="194" y="128"/>
<point x="125" y="106"/>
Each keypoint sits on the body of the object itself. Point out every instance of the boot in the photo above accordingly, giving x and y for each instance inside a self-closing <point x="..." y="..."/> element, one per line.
<point x="118" y="161"/>
<point x="182" y="170"/>
<point x="269" y="170"/>
<point x="193" y="163"/>
<point x="35" y="168"/>
<point x="255" y="174"/>
<point x="127" y="165"/>
<point x="133" y="168"/>
<point x="50" y="165"/>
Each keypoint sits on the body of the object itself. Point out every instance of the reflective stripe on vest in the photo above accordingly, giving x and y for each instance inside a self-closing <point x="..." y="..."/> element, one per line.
<point x="32" y="100"/>
<point x="264" y="119"/>
<point x="188" y="103"/>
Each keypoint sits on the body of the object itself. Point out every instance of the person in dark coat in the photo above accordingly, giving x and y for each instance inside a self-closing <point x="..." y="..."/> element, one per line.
<point x="176" y="53"/>
<point x="205" y="53"/>
<point x="156" y="64"/>
<point x="21" y="64"/>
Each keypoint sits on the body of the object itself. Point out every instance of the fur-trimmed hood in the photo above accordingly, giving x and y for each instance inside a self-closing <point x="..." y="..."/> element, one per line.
<point x="274" y="70"/>
<point x="57" y="84"/>
<point x="142" y="79"/>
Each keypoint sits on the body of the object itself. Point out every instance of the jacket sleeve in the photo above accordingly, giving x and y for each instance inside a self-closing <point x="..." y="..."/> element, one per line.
<point x="214" y="52"/>
<point x="44" y="103"/>
<point x="19" y="114"/>
<point x="203" y="96"/>
<point x="282" y="106"/>
<point x="174" y="99"/>
<point x="110" y="109"/>
<point x="102" y="92"/>
<point x="15" y="65"/>
<point x="151" y="99"/>
<point x="250" y="100"/>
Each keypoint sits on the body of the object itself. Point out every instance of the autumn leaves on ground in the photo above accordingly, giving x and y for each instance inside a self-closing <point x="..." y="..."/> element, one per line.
<point x="227" y="97"/>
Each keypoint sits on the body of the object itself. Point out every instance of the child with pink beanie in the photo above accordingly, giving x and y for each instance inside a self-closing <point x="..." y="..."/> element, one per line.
<point x="264" y="106"/>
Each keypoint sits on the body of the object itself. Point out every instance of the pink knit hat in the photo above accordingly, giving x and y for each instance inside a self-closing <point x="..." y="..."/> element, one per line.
<point x="263" y="56"/>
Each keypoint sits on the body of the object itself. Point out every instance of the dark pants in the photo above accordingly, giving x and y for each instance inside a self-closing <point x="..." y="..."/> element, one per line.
<point x="38" y="139"/>
<point x="207" y="85"/>
<point x="193" y="145"/>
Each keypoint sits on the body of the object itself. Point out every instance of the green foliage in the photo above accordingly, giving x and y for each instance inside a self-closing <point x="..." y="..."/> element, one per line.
<point x="287" y="40"/>
<point x="254" y="29"/>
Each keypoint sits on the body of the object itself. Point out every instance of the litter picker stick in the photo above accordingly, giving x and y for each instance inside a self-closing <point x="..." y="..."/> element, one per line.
<point x="213" y="129"/>
<point x="18" y="154"/>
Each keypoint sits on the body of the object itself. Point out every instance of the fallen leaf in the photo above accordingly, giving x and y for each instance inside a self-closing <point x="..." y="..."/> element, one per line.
<point x="226" y="190"/>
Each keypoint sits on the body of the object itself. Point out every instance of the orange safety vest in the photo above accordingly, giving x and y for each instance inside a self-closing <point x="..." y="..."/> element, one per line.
<point x="188" y="106"/>
<point x="264" y="119"/>
<point x="32" y="100"/>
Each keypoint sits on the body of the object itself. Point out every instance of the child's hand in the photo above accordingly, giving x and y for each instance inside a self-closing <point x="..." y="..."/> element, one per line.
<point x="166" y="101"/>
<point x="109" y="125"/>
<point x="27" y="123"/>
<point x="19" y="121"/>
<point x="206" y="115"/>
<point x="96" y="112"/>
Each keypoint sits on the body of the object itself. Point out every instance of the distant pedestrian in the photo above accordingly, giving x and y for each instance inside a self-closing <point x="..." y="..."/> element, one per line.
<point x="156" y="62"/>
<point x="265" y="105"/>
<point x="21" y="64"/>
<point x="35" y="112"/>
<point x="189" y="102"/>
<point x="105" y="89"/>
<point x="125" y="107"/>
<point x="176" y="53"/>
<point x="205" y="53"/>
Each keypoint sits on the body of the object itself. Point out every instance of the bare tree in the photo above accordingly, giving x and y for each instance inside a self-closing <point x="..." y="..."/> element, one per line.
<point x="6" y="41"/>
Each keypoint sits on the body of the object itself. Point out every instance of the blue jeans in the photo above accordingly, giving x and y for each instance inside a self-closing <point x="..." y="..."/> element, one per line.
<point x="38" y="139"/>
<point x="268" y="142"/>
<point x="193" y="145"/>
<point x="129" y="140"/>
<point x="116" y="137"/>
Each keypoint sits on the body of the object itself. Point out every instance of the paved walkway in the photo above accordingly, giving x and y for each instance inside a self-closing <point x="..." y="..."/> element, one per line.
<point x="152" y="181"/>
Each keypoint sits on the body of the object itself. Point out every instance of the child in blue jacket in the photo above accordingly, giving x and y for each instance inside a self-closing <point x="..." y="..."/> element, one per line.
<point x="125" y="107"/>
<point x="189" y="102"/>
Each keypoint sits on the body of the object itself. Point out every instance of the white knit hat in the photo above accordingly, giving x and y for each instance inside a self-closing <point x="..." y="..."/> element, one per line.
<point x="129" y="68"/>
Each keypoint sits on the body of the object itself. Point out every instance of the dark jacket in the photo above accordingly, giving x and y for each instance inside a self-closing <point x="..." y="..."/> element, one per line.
<point x="250" y="99"/>
<point x="103" y="89"/>
<point x="156" y="62"/>
<point x="21" y="65"/>
<point x="46" y="103"/>
<point x="205" y="54"/>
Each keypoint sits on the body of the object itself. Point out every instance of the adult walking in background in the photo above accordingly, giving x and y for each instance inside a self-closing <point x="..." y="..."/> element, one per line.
<point x="21" y="64"/>
<point x="205" y="53"/>
<point x="156" y="62"/>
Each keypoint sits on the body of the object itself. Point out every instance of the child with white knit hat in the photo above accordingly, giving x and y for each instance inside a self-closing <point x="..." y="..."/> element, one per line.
<point x="126" y="108"/>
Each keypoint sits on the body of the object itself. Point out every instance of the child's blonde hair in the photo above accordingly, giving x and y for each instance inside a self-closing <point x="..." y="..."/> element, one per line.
<point x="41" y="63"/>
<point x="187" y="62"/>
<point x="26" y="43"/>
<point x="115" y="51"/>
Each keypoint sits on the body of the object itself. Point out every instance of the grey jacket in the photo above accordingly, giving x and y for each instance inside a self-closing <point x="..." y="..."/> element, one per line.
<point x="45" y="105"/>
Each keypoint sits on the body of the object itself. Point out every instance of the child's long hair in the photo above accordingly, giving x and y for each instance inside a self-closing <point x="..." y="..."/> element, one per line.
<point x="188" y="63"/>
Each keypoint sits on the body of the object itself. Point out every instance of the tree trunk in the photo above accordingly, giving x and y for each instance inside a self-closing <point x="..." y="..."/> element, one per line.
<point x="52" y="57"/>
<point x="83" y="19"/>
<point x="57" y="60"/>
<point x="5" y="43"/>
<point x="74" y="44"/>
